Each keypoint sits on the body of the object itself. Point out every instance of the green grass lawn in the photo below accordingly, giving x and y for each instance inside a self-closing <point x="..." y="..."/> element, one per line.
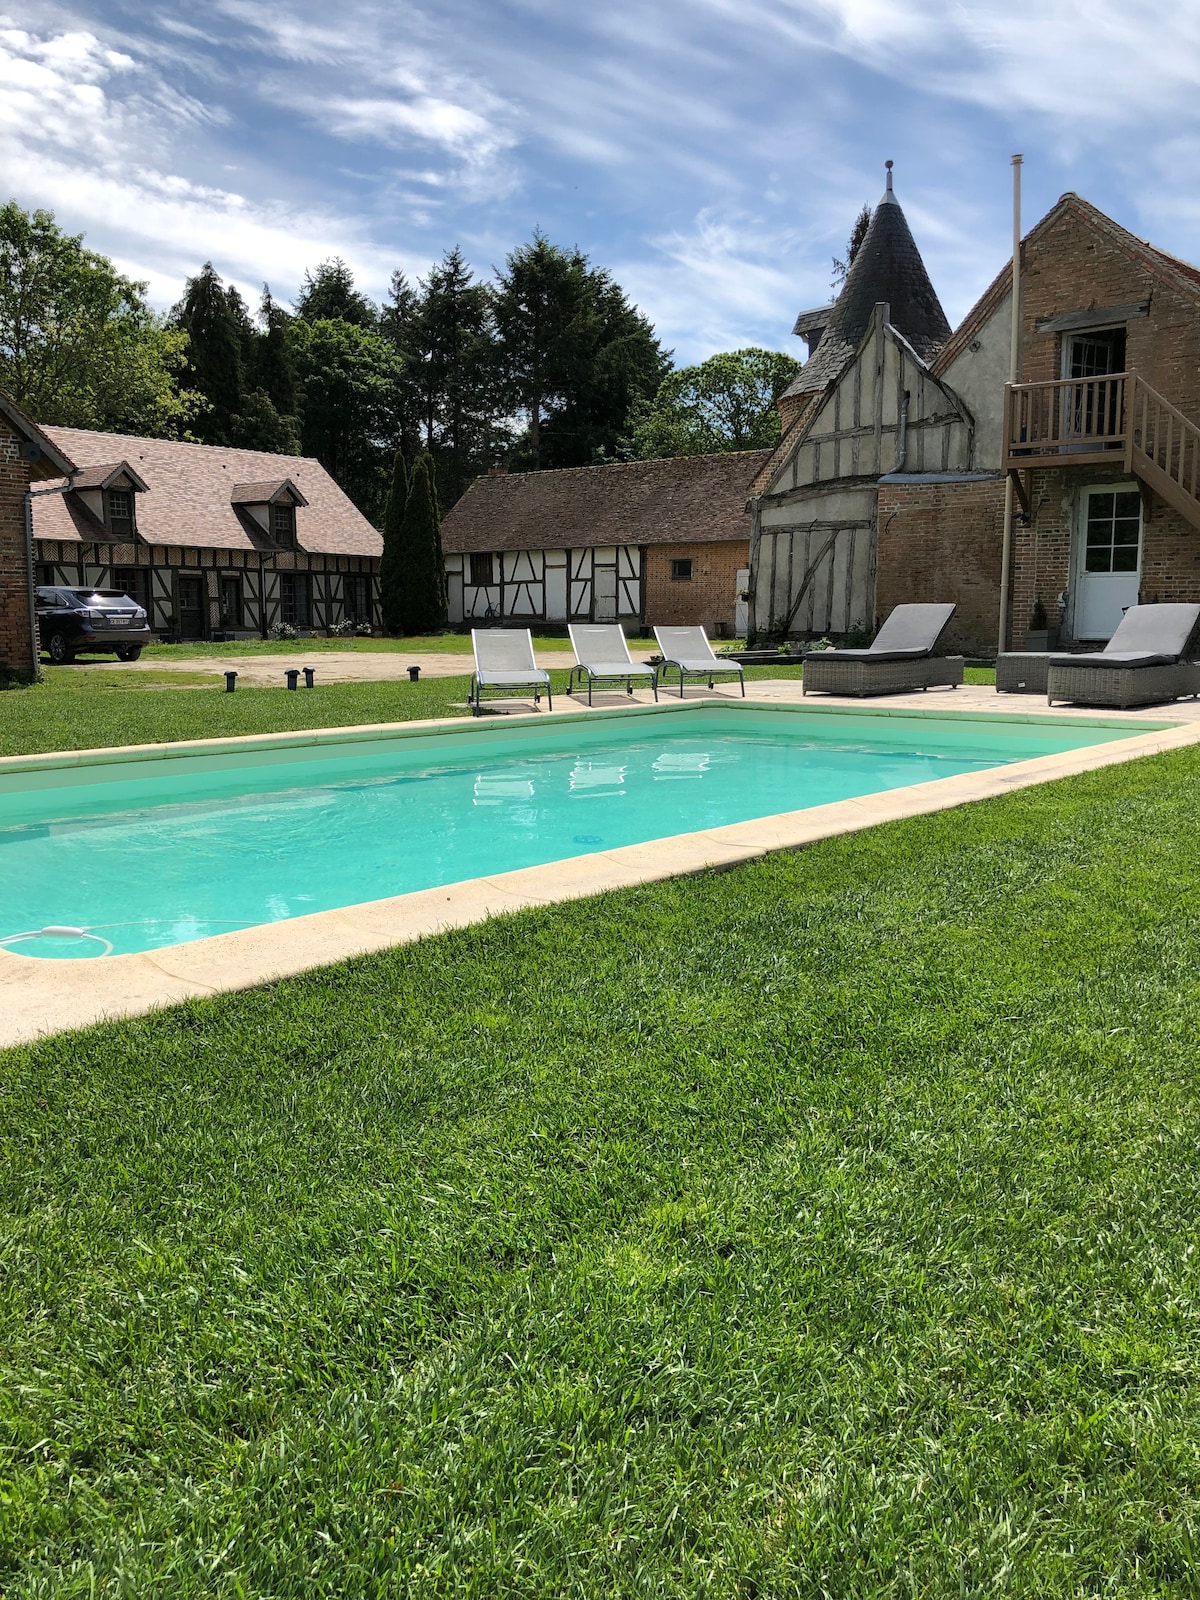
<point x="822" y="1227"/>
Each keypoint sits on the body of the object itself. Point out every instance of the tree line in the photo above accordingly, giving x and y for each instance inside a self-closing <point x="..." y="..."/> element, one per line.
<point x="546" y="364"/>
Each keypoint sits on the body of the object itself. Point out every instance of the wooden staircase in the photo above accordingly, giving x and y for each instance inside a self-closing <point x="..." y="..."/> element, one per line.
<point x="1118" y="420"/>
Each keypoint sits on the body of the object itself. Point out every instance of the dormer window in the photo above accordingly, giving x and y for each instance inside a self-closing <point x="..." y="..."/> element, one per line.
<point x="120" y="512"/>
<point x="270" y="507"/>
<point x="283" y="525"/>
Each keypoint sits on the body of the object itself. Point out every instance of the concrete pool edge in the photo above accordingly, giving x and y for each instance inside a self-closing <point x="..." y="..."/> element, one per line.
<point x="370" y="732"/>
<point x="40" y="997"/>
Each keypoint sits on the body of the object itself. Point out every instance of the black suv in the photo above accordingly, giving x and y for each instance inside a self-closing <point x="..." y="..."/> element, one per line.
<point x="75" y="622"/>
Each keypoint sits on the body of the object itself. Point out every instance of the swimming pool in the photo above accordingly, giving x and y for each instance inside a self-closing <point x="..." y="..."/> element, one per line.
<point x="142" y="854"/>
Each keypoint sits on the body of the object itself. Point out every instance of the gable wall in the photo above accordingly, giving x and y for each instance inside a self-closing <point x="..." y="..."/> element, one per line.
<point x="814" y="560"/>
<point x="1075" y="265"/>
<point x="856" y="430"/>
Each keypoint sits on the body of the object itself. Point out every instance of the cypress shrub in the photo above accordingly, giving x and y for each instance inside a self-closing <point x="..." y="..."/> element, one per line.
<point x="391" y="565"/>
<point x="423" y="581"/>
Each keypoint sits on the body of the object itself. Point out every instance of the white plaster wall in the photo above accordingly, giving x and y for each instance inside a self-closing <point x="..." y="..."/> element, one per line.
<point x="978" y="378"/>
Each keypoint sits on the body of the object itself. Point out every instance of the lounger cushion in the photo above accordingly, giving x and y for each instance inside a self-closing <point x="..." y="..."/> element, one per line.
<point x="914" y="629"/>
<point x="1158" y="630"/>
<point x="1113" y="658"/>
<point x="866" y="655"/>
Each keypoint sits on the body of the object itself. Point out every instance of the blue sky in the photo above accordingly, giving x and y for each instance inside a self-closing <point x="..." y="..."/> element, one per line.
<point x="711" y="153"/>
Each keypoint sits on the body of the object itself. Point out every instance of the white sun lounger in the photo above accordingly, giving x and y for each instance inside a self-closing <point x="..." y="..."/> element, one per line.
<point x="602" y="655"/>
<point x="689" y="652"/>
<point x="504" y="661"/>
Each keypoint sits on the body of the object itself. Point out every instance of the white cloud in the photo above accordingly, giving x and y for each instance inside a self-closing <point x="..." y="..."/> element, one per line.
<point x="724" y="282"/>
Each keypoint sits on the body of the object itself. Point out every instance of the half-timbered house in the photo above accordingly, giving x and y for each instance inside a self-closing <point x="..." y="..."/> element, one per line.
<point x="212" y="541"/>
<point x="635" y="542"/>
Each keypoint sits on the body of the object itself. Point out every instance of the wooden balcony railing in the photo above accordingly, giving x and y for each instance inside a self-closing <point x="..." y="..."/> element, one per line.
<point x="1080" y="417"/>
<point x="1118" y="420"/>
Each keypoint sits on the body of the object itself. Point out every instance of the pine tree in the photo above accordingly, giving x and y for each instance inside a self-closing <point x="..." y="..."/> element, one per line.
<point x="391" y="565"/>
<point x="329" y="294"/>
<point x="857" y="234"/>
<point x="423" y="581"/>
<point x="208" y="314"/>
<point x="272" y="368"/>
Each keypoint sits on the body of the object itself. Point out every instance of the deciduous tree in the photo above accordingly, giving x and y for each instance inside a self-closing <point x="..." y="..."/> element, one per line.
<point x="79" y="346"/>
<point x="348" y="378"/>
<point x="724" y="403"/>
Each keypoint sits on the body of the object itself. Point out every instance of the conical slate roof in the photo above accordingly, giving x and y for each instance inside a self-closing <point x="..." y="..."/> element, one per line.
<point x="888" y="267"/>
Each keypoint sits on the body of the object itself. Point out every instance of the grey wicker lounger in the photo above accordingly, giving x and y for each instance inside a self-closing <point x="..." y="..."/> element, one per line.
<point x="689" y="652"/>
<point x="602" y="656"/>
<point x="901" y="657"/>
<point x="504" y="660"/>
<point x="1143" y="663"/>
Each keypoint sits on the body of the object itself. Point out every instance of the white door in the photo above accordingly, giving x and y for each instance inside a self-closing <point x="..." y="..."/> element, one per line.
<point x="1109" y="561"/>
<point x="741" y="608"/>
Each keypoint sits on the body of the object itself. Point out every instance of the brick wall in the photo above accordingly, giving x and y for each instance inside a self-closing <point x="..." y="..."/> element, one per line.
<point x="16" y="645"/>
<point x="707" y="597"/>
<point x="1042" y="550"/>
<point x="1073" y="264"/>
<point x="942" y="541"/>
<point x="1077" y="263"/>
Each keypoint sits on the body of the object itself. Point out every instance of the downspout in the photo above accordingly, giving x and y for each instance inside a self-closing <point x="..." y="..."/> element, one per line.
<point x="34" y="637"/>
<point x="1013" y="360"/>
<point x="31" y="572"/>
<point x="755" y="541"/>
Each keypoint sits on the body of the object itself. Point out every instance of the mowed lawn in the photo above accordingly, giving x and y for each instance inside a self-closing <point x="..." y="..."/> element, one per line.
<point x="822" y="1227"/>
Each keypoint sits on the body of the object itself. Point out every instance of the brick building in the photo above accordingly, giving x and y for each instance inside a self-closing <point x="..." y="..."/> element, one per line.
<point x="642" y="543"/>
<point x="210" y="540"/>
<point x="889" y="483"/>
<point x="27" y="456"/>
<point x="1099" y="434"/>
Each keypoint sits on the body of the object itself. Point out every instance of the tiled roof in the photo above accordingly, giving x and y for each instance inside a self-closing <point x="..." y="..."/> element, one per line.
<point x="888" y="267"/>
<point x="100" y="477"/>
<point x="675" y="500"/>
<point x="262" y="494"/>
<point x="188" y="502"/>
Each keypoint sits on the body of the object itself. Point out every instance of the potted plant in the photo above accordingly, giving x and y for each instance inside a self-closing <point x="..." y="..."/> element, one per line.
<point x="1040" y="636"/>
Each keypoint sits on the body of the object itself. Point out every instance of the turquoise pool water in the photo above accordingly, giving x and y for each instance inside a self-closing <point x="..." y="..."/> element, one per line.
<point x="153" y="853"/>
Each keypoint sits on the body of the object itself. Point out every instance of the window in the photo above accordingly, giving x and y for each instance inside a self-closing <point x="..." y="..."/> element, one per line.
<point x="1094" y="354"/>
<point x="120" y="513"/>
<point x="1114" y="525"/>
<point x="356" y="597"/>
<point x="44" y="574"/>
<point x="482" y="576"/>
<point x="283" y="526"/>
<point x="294" y="594"/>
<point x="231" y="602"/>
<point x="681" y="571"/>
<point x="135" y="582"/>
